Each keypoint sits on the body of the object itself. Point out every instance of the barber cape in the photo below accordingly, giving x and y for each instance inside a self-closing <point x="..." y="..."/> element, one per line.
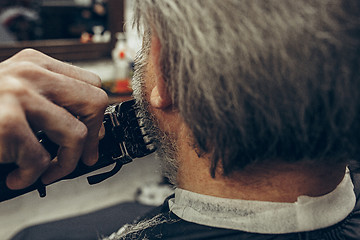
<point x="188" y="215"/>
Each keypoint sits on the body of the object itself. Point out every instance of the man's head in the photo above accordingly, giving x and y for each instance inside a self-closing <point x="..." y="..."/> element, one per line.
<point x="256" y="81"/>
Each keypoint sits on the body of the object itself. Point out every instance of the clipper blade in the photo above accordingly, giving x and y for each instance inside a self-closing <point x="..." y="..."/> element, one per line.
<point x="137" y="140"/>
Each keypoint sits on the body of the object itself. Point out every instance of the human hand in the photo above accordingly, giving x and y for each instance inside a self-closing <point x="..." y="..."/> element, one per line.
<point x="38" y="92"/>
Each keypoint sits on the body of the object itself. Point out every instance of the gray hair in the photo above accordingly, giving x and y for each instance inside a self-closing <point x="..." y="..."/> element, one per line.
<point x="260" y="80"/>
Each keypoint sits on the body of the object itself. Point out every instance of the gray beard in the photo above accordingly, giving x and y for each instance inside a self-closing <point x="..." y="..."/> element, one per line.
<point x="165" y="144"/>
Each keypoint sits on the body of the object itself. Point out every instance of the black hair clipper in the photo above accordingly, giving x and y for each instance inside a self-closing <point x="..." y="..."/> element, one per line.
<point x="125" y="139"/>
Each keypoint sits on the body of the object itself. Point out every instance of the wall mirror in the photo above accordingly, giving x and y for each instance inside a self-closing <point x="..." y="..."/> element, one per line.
<point x="69" y="30"/>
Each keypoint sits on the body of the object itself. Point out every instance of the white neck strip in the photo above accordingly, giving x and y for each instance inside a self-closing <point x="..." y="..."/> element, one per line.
<point x="306" y="214"/>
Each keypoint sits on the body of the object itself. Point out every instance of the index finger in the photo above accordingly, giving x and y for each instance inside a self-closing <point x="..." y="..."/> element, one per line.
<point x="56" y="66"/>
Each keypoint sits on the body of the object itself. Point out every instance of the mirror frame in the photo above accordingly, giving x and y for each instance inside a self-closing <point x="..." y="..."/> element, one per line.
<point x="72" y="49"/>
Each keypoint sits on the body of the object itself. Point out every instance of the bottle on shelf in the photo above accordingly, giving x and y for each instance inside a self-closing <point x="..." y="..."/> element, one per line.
<point x="122" y="66"/>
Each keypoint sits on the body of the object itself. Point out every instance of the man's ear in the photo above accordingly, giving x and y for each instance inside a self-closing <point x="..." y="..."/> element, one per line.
<point x="159" y="97"/>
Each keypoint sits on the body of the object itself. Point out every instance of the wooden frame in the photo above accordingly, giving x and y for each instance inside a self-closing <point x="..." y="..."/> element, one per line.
<point x="73" y="50"/>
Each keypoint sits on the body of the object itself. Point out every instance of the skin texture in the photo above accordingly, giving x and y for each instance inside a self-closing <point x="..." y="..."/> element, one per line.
<point x="38" y="92"/>
<point x="274" y="181"/>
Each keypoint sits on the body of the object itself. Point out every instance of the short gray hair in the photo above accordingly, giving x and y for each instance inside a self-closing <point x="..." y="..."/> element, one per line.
<point x="260" y="80"/>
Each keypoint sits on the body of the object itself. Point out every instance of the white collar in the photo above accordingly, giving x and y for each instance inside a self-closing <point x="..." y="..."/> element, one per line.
<point x="306" y="214"/>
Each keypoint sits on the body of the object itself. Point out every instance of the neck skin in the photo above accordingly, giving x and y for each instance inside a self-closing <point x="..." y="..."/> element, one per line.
<point x="275" y="181"/>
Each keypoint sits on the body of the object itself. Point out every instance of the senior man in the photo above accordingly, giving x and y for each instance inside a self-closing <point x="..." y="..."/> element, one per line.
<point x="257" y="110"/>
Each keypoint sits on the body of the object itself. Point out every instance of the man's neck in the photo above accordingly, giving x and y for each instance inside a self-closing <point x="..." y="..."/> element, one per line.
<point x="274" y="181"/>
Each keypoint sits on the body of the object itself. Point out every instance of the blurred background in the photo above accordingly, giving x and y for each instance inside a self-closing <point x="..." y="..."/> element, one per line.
<point x="94" y="35"/>
<point x="26" y="20"/>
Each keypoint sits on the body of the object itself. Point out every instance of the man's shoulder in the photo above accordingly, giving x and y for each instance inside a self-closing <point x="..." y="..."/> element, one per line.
<point x="161" y="223"/>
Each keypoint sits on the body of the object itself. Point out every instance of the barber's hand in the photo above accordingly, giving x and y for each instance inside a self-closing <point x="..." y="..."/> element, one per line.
<point x="40" y="93"/>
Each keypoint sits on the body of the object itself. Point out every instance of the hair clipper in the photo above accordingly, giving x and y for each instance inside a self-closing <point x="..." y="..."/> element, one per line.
<point x="125" y="139"/>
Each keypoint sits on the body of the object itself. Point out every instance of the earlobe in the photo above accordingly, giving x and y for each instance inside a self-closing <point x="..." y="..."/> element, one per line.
<point x="159" y="100"/>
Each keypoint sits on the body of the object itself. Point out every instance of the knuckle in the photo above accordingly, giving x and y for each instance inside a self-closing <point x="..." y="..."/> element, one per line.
<point x="28" y="70"/>
<point x="40" y="161"/>
<point x="9" y="122"/>
<point x="36" y="58"/>
<point x="15" y="87"/>
<point x="80" y="133"/>
<point x="96" y="104"/>
<point x="43" y="160"/>
<point x="97" y="80"/>
<point x="102" y="100"/>
<point x="9" y="84"/>
<point x="23" y="71"/>
<point x="27" y="53"/>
